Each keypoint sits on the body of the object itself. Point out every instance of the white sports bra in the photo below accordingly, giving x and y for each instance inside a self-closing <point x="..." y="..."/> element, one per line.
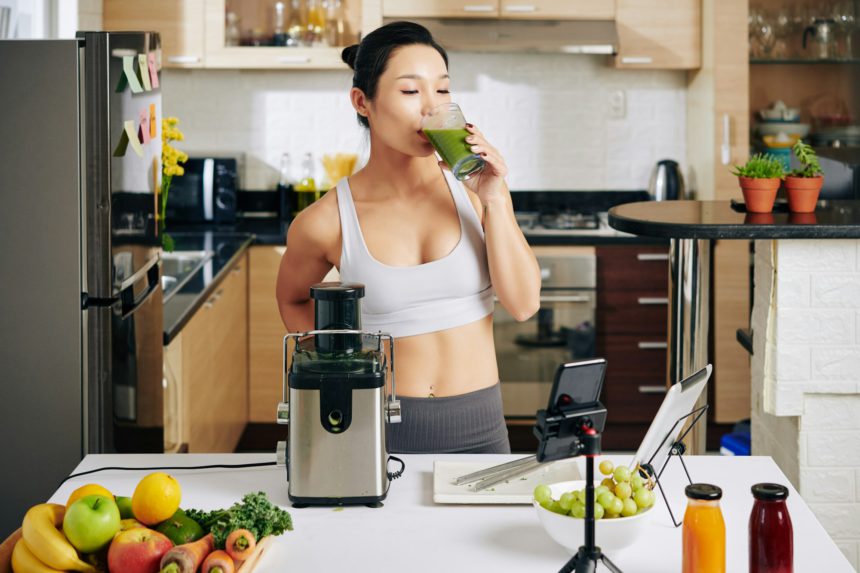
<point x="406" y="301"/>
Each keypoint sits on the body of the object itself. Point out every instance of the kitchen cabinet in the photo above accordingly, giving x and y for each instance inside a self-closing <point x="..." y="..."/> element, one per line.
<point x="513" y="9"/>
<point x="632" y="321"/>
<point x="208" y="365"/>
<point x="180" y="23"/>
<point x="659" y="34"/>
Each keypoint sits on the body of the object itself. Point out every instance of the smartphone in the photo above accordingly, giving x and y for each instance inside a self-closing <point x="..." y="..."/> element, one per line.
<point x="577" y="384"/>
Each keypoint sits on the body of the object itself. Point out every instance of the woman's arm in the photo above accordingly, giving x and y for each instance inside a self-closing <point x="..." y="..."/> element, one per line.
<point x="306" y="262"/>
<point x="514" y="270"/>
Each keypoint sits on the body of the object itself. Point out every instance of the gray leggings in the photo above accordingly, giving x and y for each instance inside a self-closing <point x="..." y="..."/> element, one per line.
<point x="467" y="423"/>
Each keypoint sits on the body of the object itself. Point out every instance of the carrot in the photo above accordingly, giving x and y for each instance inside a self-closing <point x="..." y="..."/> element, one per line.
<point x="186" y="558"/>
<point x="240" y="544"/>
<point x="219" y="561"/>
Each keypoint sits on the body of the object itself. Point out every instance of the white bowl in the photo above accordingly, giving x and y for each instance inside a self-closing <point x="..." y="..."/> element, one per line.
<point x="609" y="534"/>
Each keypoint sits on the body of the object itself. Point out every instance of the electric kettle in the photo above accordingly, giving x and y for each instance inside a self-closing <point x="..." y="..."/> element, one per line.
<point x="667" y="183"/>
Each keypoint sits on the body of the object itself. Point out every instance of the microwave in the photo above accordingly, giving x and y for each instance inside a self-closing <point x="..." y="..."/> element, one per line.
<point x="206" y="192"/>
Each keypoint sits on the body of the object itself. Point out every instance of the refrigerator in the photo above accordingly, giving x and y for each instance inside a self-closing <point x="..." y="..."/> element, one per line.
<point x="82" y="327"/>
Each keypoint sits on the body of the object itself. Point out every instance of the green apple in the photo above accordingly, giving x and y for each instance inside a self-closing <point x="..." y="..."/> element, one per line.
<point x="91" y="522"/>
<point x="124" y="505"/>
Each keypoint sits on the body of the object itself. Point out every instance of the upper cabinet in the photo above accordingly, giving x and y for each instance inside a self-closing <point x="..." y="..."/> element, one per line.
<point x="512" y="9"/>
<point x="180" y="23"/>
<point x="664" y="34"/>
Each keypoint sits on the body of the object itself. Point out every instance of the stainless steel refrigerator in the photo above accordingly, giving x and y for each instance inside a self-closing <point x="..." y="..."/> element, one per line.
<point x="81" y="304"/>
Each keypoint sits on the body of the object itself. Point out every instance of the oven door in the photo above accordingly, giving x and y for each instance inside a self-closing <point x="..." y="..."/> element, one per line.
<point x="529" y="352"/>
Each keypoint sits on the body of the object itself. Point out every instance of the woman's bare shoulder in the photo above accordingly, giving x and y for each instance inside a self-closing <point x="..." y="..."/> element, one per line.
<point x="317" y="226"/>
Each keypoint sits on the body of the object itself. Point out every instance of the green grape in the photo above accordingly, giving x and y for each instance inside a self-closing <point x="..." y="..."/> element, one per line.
<point x="579" y="496"/>
<point x="542" y="494"/>
<point x="547" y="505"/>
<point x="623" y="490"/>
<point x="606" y="499"/>
<point x="644" y="498"/>
<point x="566" y="501"/>
<point x="630" y="508"/>
<point x="599" y="490"/>
<point x="609" y="483"/>
<point x="598" y="511"/>
<point x="578" y="510"/>
<point x="606" y="467"/>
<point x="621" y="474"/>
<point x="636" y="481"/>
<point x="616" y="508"/>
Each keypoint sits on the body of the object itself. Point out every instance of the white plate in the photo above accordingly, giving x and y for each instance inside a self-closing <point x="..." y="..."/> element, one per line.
<point x="517" y="490"/>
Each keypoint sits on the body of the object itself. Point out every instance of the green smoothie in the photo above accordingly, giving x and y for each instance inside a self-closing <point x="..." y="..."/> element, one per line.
<point x="451" y="145"/>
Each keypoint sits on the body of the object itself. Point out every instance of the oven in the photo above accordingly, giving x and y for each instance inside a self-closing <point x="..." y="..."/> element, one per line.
<point x="529" y="352"/>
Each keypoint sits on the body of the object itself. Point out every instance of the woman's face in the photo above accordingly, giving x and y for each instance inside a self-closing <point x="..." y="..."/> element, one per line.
<point x="414" y="82"/>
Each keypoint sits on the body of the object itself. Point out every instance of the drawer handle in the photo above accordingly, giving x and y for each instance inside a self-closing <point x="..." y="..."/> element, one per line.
<point x="652" y="256"/>
<point x="652" y="389"/>
<point x="636" y="59"/>
<point x="478" y="8"/>
<point x="521" y="8"/>
<point x="184" y="59"/>
<point x="566" y="298"/>
<point x="237" y="269"/>
<point x="653" y="345"/>
<point x="293" y="60"/>
<point x="214" y="298"/>
<point x="649" y="300"/>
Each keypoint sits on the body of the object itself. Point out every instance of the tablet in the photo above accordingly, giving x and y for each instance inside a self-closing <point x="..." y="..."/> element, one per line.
<point x="680" y="400"/>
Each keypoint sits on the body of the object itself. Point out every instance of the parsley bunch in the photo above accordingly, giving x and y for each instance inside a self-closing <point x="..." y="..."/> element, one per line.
<point x="255" y="513"/>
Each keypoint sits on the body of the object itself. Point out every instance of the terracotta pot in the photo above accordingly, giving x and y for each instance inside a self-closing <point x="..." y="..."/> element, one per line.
<point x="803" y="193"/>
<point x="759" y="194"/>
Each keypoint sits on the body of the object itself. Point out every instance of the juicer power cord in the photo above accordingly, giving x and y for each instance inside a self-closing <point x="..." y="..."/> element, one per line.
<point x="206" y="467"/>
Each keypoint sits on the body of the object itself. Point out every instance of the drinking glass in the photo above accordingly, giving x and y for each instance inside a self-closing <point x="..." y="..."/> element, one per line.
<point x="445" y="127"/>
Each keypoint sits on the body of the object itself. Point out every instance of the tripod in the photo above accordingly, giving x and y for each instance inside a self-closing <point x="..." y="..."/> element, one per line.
<point x="585" y="560"/>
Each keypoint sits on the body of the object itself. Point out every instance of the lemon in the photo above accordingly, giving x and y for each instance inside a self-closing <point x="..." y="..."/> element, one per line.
<point x="85" y="490"/>
<point x="155" y="498"/>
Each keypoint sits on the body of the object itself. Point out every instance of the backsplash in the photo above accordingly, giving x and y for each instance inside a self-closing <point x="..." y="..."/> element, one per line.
<point x="549" y="115"/>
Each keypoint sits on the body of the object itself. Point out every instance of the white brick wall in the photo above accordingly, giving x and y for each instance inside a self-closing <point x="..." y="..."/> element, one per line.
<point x="546" y="113"/>
<point x="806" y="375"/>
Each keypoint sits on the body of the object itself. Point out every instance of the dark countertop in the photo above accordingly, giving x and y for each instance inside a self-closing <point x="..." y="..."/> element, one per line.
<point x="723" y="220"/>
<point x="227" y="247"/>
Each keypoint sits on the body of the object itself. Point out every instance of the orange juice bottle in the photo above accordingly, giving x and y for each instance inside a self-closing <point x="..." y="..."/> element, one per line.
<point x="704" y="536"/>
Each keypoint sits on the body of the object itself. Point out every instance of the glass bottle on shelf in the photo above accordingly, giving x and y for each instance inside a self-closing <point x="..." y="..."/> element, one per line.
<point x="306" y="187"/>
<point x="334" y="24"/>
<point x="279" y="35"/>
<point x="296" y="25"/>
<point x="315" y="32"/>
<point x="286" y="191"/>
<point x="232" y="35"/>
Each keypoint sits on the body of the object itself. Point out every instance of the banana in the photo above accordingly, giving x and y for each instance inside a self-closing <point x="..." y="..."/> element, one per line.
<point x="23" y="560"/>
<point x="48" y="543"/>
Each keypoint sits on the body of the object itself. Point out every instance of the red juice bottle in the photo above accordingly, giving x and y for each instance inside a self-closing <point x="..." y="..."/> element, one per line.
<point x="771" y="534"/>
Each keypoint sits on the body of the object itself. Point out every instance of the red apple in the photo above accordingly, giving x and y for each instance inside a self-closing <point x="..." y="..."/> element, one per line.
<point x="137" y="550"/>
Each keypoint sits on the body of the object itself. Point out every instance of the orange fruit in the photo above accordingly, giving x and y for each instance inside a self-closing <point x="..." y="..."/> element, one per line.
<point x="156" y="498"/>
<point x="89" y="489"/>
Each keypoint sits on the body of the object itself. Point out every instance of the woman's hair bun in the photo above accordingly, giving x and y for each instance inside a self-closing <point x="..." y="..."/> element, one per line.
<point x="348" y="55"/>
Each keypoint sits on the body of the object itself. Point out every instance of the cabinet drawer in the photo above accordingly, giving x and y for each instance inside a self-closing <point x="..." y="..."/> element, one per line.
<point x="632" y="312"/>
<point x="635" y="358"/>
<point x="633" y="268"/>
<point x="440" y="8"/>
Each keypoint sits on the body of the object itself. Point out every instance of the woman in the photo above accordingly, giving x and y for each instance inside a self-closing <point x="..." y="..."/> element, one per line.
<point x="429" y="251"/>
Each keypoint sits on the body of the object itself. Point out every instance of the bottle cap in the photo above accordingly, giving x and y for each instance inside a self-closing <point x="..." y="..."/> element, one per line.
<point x="703" y="491"/>
<point x="769" y="491"/>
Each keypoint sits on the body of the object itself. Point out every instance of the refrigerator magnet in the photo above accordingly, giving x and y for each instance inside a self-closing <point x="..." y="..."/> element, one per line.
<point x="144" y="71"/>
<point x="143" y="122"/>
<point x="130" y="74"/>
<point x="153" y="71"/>
<point x="131" y="133"/>
<point x="152" y="124"/>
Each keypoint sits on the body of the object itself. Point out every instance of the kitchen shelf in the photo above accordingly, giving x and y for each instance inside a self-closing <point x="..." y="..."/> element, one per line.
<point x="798" y="61"/>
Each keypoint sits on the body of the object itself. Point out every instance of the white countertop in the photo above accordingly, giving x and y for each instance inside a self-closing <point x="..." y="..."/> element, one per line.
<point x="412" y="533"/>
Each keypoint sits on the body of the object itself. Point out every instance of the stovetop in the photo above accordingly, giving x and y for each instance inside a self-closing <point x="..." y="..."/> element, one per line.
<point x="564" y="223"/>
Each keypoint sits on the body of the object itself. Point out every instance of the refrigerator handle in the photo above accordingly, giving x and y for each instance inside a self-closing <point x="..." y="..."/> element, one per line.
<point x="130" y="303"/>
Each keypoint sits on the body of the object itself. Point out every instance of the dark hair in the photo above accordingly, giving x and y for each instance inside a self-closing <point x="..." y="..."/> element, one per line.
<point x="370" y="58"/>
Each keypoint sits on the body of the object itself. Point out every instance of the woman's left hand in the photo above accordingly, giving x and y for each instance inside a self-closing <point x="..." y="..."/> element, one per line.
<point x="489" y="183"/>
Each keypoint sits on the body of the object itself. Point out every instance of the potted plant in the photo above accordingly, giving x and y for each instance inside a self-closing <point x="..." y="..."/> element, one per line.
<point x="803" y="185"/>
<point x="759" y="179"/>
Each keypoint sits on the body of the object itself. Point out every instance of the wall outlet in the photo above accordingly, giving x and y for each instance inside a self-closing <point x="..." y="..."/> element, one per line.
<point x="617" y="104"/>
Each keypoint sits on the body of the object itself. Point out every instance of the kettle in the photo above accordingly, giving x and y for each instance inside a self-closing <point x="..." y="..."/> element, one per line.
<point x="667" y="183"/>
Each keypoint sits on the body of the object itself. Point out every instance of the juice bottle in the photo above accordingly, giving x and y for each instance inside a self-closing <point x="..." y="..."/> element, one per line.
<point x="704" y="535"/>
<point x="306" y="188"/>
<point x="771" y="534"/>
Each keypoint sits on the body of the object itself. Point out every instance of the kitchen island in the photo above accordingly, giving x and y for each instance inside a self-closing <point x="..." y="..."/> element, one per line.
<point x="412" y="533"/>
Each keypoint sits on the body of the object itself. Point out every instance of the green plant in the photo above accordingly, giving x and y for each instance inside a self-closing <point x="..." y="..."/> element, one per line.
<point x="761" y="166"/>
<point x="808" y="161"/>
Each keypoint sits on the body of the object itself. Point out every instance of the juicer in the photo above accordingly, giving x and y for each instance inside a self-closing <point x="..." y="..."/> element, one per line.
<point x="335" y="403"/>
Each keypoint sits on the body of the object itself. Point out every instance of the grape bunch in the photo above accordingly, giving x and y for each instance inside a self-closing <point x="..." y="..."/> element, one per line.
<point x="620" y="494"/>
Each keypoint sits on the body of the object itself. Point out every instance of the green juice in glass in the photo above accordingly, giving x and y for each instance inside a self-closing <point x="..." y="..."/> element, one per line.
<point x="452" y="147"/>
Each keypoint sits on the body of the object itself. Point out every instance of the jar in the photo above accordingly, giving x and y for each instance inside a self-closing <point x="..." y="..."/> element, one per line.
<point x="704" y="531"/>
<point x="771" y="534"/>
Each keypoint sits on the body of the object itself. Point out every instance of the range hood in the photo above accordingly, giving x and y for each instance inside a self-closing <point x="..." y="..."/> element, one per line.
<point x="540" y="36"/>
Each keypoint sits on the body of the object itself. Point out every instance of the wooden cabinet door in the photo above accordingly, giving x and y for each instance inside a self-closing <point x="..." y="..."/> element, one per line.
<point x="267" y="332"/>
<point x="440" y="8"/>
<point x="180" y="23"/>
<point x="558" y="9"/>
<point x="659" y="34"/>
